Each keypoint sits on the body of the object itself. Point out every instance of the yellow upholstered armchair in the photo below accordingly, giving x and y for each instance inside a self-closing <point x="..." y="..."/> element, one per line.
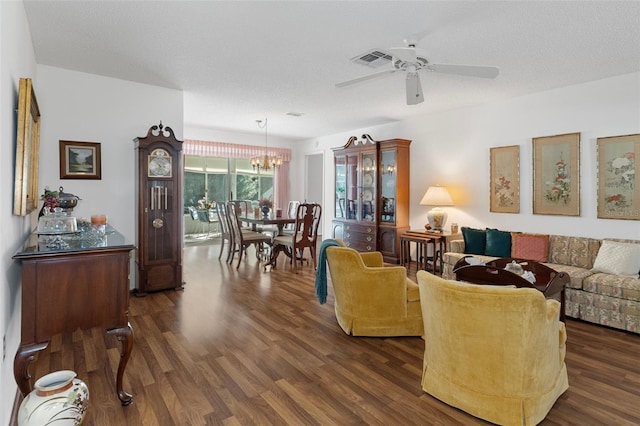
<point x="495" y="352"/>
<point x="370" y="299"/>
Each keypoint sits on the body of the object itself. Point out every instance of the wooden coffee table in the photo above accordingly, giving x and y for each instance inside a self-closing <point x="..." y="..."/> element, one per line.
<point x="550" y="282"/>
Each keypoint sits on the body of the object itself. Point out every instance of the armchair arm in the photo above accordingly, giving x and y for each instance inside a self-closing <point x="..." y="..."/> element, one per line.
<point x="372" y="259"/>
<point x="457" y="246"/>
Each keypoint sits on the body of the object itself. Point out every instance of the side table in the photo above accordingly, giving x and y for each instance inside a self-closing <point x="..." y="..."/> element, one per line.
<point x="443" y="240"/>
<point x="422" y="242"/>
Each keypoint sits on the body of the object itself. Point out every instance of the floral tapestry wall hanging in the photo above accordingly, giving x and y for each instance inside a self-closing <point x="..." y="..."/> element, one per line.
<point x="505" y="179"/>
<point x="556" y="175"/>
<point x="618" y="188"/>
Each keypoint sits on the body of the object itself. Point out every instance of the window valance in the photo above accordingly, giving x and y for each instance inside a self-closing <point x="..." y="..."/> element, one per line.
<point x="232" y="150"/>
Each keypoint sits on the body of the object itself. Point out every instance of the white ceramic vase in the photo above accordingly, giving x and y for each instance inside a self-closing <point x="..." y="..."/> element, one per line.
<point x="58" y="399"/>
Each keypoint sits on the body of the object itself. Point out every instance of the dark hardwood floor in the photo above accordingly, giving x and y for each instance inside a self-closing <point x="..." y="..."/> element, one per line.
<point x="244" y="347"/>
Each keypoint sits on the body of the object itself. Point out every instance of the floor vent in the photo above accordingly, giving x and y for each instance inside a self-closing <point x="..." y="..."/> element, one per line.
<point x="374" y="58"/>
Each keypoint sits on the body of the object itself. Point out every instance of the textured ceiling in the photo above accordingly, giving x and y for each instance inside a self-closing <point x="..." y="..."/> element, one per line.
<point x="239" y="61"/>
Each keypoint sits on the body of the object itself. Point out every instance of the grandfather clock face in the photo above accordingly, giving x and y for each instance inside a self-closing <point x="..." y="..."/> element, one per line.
<point x="159" y="164"/>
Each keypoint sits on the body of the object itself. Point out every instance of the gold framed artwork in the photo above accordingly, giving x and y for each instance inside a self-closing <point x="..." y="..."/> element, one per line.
<point x="556" y="175"/>
<point x="25" y="194"/>
<point x="618" y="188"/>
<point x="505" y="179"/>
<point x="80" y="160"/>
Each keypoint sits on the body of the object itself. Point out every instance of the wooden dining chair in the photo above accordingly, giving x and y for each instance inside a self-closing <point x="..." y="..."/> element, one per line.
<point x="241" y="239"/>
<point x="292" y="208"/>
<point x="225" y="229"/>
<point x="305" y="234"/>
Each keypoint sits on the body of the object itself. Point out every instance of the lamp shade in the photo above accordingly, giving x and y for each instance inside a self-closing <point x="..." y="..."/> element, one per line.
<point x="437" y="196"/>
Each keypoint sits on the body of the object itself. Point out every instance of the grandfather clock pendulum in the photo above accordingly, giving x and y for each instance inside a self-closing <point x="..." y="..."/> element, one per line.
<point x="159" y="208"/>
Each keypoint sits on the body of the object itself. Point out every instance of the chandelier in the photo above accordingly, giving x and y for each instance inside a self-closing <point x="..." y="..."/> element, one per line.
<point x="265" y="162"/>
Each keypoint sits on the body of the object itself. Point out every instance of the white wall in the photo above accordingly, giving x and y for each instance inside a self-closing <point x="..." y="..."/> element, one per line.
<point x="452" y="149"/>
<point x="17" y="59"/>
<point x="89" y="108"/>
<point x="78" y="107"/>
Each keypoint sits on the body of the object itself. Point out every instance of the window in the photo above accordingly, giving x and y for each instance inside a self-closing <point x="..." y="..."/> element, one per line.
<point x="208" y="179"/>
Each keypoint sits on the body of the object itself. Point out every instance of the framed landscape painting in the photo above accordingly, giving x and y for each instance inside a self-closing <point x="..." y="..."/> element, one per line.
<point x="505" y="179"/>
<point x="80" y="160"/>
<point x="556" y="175"/>
<point x="618" y="188"/>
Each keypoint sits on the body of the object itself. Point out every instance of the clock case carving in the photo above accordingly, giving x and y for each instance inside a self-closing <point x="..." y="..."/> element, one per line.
<point x="159" y="209"/>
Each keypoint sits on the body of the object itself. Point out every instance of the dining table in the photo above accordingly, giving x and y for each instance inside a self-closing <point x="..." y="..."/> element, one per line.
<point x="280" y="222"/>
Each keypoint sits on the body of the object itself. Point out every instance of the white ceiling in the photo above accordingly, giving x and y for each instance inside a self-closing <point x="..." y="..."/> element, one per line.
<point x="239" y="61"/>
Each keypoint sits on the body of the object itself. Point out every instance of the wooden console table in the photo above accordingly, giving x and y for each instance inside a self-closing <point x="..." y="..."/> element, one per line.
<point x="83" y="283"/>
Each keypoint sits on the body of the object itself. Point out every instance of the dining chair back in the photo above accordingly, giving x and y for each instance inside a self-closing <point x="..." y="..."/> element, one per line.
<point x="241" y="239"/>
<point x="305" y="234"/>
<point x="291" y="213"/>
<point x="225" y="229"/>
<point x="243" y="207"/>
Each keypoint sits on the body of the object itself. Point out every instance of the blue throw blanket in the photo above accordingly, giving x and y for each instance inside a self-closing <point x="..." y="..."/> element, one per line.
<point x="321" y="272"/>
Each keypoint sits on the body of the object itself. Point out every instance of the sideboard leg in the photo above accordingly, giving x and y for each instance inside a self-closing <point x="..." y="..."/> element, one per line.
<point x="25" y="355"/>
<point x="125" y="335"/>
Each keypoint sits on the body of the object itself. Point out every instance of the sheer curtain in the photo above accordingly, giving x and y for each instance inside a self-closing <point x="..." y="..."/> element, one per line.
<point x="232" y="150"/>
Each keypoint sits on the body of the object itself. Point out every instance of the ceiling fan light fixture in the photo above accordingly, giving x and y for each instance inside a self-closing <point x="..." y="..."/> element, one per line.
<point x="414" y="89"/>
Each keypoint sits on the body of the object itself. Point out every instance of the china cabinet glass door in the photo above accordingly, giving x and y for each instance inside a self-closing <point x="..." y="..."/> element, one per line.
<point x="367" y="202"/>
<point x="388" y="184"/>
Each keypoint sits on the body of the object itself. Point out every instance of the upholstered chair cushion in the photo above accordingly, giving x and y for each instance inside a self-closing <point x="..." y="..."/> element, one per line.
<point x="495" y="352"/>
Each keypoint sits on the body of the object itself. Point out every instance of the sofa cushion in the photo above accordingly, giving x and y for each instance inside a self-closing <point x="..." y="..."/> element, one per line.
<point x="573" y="251"/>
<point x="623" y="287"/>
<point x="618" y="258"/>
<point x="576" y="274"/>
<point x="498" y="243"/>
<point x="530" y="246"/>
<point x="475" y="240"/>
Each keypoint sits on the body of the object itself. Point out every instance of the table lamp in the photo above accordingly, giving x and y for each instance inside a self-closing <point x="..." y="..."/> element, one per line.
<point x="437" y="196"/>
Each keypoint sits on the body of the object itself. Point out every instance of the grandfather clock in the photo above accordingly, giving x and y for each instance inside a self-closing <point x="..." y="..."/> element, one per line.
<point x="159" y="207"/>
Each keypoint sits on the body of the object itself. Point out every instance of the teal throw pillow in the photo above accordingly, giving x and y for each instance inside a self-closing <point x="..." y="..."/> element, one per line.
<point x="498" y="243"/>
<point x="475" y="240"/>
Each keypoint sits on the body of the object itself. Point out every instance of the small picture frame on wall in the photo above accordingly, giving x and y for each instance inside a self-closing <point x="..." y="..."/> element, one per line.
<point x="618" y="185"/>
<point x="556" y="175"/>
<point x="505" y="179"/>
<point x="80" y="160"/>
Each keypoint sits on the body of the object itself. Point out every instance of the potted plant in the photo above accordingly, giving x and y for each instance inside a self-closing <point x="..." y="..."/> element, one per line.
<point x="265" y="206"/>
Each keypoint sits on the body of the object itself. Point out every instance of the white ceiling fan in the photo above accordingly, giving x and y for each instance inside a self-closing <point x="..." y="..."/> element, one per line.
<point x="412" y="60"/>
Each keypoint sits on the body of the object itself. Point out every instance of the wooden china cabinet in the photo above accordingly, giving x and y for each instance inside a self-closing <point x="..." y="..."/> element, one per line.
<point x="159" y="204"/>
<point x="372" y="195"/>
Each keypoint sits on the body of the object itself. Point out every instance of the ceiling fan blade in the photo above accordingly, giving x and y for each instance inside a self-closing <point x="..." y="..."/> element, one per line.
<point x="468" y="70"/>
<point x="365" y="77"/>
<point x="414" y="89"/>
<point x="405" y="54"/>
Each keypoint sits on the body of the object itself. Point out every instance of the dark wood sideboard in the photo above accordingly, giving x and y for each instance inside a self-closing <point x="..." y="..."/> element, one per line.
<point x="83" y="284"/>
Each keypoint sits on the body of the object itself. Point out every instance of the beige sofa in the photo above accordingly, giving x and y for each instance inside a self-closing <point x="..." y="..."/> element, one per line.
<point x="602" y="298"/>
